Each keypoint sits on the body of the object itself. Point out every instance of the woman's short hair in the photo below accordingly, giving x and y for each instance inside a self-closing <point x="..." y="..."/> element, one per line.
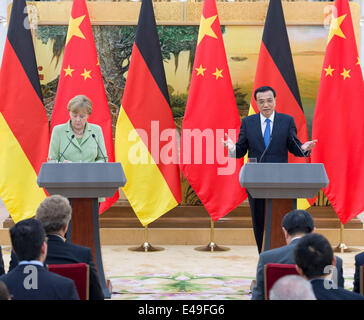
<point x="80" y="102"/>
<point x="54" y="213"/>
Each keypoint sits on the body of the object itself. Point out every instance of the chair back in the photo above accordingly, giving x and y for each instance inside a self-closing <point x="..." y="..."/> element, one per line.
<point x="78" y="272"/>
<point x="361" y="279"/>
<point x="274" y="271"/>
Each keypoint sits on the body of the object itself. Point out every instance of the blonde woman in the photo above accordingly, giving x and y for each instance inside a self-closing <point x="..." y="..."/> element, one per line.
<point x="77" y="140"/>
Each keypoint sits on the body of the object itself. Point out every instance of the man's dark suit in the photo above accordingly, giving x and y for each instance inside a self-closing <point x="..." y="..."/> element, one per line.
<point x="359" y="261"/>
<point x="50" y="286"/>
<point x="2" y="268"/>
<point x="61" y="252"/>
<point x="283" y="139"/>
<point x="284" y="255"/>
<point x="321" y="293"/>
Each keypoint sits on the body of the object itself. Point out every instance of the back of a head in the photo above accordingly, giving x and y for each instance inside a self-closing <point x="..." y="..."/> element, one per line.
<point x="27" y="237"/>
<point x="292" y="287"/>
<point x="298" y="222"/>
<point x="54" y="213"/>
<point x="313" y="253"/>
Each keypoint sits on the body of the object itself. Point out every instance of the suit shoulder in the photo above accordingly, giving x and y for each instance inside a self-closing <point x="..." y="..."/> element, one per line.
<point x="250" y="118"/>
<point x="359" y="258"/>
<point x="94" y="127"/>
<point x="60" y="127"/>
<point x="79" y="247"/>
<point x="284" y="116"/>
<point x="271" y="254"/>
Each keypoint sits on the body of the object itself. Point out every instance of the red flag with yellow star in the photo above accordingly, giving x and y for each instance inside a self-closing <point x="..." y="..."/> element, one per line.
<point x="211" y="111"/>
<point x="81" y="74"/>
<point x="337" y="123"/>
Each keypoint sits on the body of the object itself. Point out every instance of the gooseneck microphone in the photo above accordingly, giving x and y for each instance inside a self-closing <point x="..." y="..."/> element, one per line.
<point x="98" y="146"/>
<point x="265" y="151"/>
<point x="61" y="155"/>
<point x="302" y="152"/>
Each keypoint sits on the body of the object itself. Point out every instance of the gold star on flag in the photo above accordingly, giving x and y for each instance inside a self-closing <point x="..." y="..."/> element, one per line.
<point x="345" y="73"/>
<point x="200" y="70"/>
<point x="218" y="73"/>
<point x="335" y="27"/>
<point x="98" y="62"/>
<point x="74" y="28"/>
<point x="205" y="28"/>
<point x="68" y="71"/>
<point x="329" y="71"/>
<point x="86" y="74"/>
<point x="358" y="62"/>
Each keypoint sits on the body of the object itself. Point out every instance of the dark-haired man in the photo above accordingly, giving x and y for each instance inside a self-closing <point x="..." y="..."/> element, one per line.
<point x="314" y="258"/>
<point x="271" y="131"/>
<point x="295" y="225"/>
<point x="30" y="280"/>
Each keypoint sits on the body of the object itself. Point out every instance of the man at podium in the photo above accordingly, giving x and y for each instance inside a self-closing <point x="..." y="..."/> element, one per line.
<point x="267" y="137"/>
<point x="77" y="140"/>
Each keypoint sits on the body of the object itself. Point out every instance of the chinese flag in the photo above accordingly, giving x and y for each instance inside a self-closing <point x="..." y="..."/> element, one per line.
<point x="275" y="69"/>
<point x="211" y="112"/>
<point x="24" y="128"/>
<point x="145" y="136"/>
<point x="81" y="74"/>
<point x="338" y="123"/>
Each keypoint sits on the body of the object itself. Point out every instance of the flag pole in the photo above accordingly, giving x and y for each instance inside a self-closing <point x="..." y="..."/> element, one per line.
<point x="342" y="246"/>
<point x="146" y="246"/>
<point x="212" y="246"/>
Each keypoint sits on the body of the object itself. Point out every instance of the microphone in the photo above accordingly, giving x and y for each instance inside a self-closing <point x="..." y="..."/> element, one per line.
<point x="61" y="155"/>
<point x="98" y="146"/>
<point x="266" y="149"/>
<point x="294" y="140"/>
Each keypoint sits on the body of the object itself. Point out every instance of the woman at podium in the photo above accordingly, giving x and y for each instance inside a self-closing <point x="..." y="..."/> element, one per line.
<point x="77" y="140"/>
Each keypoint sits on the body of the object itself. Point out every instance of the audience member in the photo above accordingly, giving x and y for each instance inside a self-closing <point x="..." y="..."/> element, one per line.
<point x="292" y="287"/>
<point x="30" y="280"/>
<point x="295" y="224"/>
<point x="314" y="258"/>
<point x="2" y="269"/>
<point x="55" y="213"/>
<point x="4" y="293"/>
<point x="359" y="261"/>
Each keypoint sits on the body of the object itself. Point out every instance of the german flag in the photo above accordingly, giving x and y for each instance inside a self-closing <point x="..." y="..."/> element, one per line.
<point x="275" y="69"/>
<point x="145" y="136"/>
<point x="24" y="128"/>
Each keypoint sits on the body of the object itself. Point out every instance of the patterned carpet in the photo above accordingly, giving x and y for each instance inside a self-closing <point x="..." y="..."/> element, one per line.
<point x="182" y="273"/>
<point x="181" y="286"/>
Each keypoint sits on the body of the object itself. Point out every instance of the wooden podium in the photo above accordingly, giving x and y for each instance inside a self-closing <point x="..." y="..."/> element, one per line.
<point x="280" y="184"/>
<point x="83" y="184"/>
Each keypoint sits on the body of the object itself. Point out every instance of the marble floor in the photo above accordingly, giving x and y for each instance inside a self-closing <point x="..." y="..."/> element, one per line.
<point x="180" y="272"/>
